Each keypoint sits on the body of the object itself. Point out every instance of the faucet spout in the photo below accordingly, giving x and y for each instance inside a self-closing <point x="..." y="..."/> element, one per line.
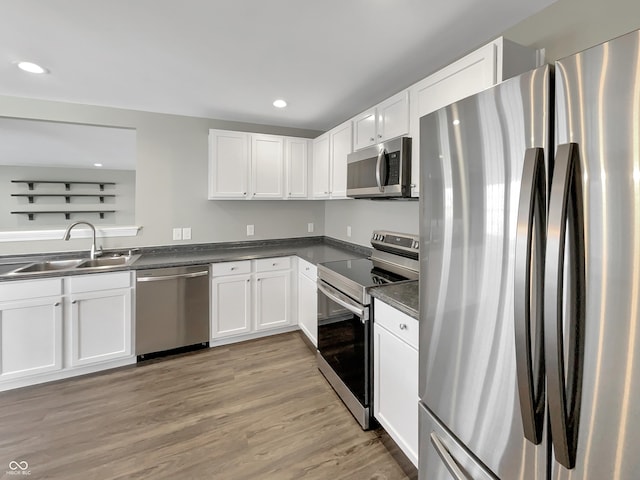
<point x="67" y="236"/>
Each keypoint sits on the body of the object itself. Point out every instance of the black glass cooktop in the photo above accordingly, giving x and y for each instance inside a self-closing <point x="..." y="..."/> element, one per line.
<point x="363" y="272"/>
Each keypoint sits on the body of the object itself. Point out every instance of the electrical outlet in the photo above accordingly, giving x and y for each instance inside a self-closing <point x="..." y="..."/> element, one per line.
<point x="186" y="233"/>
<point x="349" y="231"/>
<point x="310" y="227"/>
<point x="250" y="230"/>
<point x="177" y="234"/>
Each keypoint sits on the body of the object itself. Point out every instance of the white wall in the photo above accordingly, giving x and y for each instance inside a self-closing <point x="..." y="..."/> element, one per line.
<point x="171" y="180"/>
<point x="364" y="216"/>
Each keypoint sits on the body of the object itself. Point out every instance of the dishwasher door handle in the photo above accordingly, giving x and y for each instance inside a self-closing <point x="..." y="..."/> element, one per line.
<point x="173" y="277"/>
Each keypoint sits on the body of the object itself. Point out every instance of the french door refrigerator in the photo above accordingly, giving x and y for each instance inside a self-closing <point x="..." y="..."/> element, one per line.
<point x="530" y="283"/>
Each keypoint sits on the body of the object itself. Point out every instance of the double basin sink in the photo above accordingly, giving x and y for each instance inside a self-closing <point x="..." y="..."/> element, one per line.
<point x="79" y="264"/>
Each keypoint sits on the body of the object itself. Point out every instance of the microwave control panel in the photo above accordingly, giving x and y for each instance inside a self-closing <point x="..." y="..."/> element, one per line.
<point x="393" y="169"/>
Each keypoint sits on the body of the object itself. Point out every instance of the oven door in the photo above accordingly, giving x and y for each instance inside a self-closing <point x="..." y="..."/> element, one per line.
<point x="344" y="341"/>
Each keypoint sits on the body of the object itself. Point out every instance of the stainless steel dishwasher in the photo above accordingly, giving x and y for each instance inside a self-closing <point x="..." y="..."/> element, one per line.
<point x="172" y="308"/>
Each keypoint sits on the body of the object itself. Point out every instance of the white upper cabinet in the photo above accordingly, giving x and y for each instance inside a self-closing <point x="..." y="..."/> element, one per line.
<point x="389" y="119"/>
<point x="321" y="169"/>
<point x="481" y="69"/>
<point x="393" y="117"/>
<point x="330" y="152"/>
<point x="340" y="147"/>
<point x="229" y="164"/>
<point x="296" y="155"/>
<point x="267" y="166"/>
<point x="365" y="129"/>
<point x="257" y="166"/>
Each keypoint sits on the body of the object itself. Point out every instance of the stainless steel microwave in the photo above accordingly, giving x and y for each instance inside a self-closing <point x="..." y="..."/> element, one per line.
<point x="380" y="171"/>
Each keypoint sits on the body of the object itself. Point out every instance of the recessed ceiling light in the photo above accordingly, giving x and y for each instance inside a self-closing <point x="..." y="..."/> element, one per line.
<point x="279" y="103"/>
<point x="97" y="164"/>
<point x="31" y="67"/>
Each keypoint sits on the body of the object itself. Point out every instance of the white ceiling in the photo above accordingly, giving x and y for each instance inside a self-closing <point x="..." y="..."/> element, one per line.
<point x="229" y="59"/>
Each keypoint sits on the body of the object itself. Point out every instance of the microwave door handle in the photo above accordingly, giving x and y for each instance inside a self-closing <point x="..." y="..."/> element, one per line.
<point x="378" y="173"/>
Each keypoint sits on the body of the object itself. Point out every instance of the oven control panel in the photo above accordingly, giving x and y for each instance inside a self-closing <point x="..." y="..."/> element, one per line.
<point x="394" y="242"/>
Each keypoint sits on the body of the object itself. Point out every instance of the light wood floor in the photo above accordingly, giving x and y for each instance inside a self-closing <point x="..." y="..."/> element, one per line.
<point x="256" y="410"/>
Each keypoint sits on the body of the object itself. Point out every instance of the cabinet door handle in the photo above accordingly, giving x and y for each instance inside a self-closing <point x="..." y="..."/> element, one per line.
<point x="371" y="139"/>
<point x="403" y="326"/>
<point x="57" y="304"/>
<point x="74" y="302"/>
<point x="379" y="136"/>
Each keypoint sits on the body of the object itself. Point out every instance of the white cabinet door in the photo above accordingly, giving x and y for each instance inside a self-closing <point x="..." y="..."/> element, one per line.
<point x="100" y="326"/>
<point x="296" y="162"/>
<point x="230" y="306"/>
<point x="321" y="170"/>
<point x="395" y="376"/>
<point x="307" y="305"/>
<point x="267" y="164"/>
<point x="393" y="117"/>
<point x="467" y="76"/>
<point x="395" y="389"/>
<point x="365" y="129"/>
<point x="229" y="163"/>
<point x="341" y="146"/>
<point x="272" y="299"/>
<point x="30" y="337"/>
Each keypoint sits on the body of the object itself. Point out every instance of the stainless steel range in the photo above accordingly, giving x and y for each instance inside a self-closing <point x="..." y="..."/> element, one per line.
<point x="344" y="315"/>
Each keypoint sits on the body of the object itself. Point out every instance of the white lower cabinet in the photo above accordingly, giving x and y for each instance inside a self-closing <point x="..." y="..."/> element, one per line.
<point x="395" y="376"/>
<point x="60" y="327"/>
<point x="250" y="299"/>
<point x="308" y="300"/>
<point x="30" y="337"/>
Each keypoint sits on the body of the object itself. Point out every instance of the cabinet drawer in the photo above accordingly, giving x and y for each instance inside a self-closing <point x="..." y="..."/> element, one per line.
<point x="308" y="269"/>
<point x="30" y="289"/>
<point x="271" y="264"/>
<point x="230" y="268"/>
<point x="398" y="323"/>
<point x="98" y="281"/>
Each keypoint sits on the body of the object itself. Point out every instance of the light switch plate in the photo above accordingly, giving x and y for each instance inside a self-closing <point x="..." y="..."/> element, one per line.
<point x="310" y="227"/>
<point x="348" y="230"/>
<point x="250" y="230"/>
<point x="186" y="233"/>
<point x="177" y="234"/>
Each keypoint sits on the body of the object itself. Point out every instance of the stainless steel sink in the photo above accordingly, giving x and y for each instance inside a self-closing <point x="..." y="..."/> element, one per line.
<point x="49" y="266"/>
<point x="105" y="262"/>
<point x="79" y="264"/>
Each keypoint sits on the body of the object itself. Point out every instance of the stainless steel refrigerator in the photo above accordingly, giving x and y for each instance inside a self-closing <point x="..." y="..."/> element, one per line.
<point x="530" y="264"/>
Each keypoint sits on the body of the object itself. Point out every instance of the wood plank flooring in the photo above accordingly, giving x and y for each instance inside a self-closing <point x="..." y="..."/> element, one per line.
<point x="255" y="410"/>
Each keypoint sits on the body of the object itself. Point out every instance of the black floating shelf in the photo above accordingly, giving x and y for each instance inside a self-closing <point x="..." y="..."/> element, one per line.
<point x="67" y="197"/>
<point x="67" y="213"/>
<point x="67" y="184"/>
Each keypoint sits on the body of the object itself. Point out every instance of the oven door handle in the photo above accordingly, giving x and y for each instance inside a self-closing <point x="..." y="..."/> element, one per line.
<point x="344" y="301"/>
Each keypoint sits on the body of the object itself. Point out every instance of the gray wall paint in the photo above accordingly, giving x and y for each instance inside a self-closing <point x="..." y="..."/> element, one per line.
<point x="171" y="186"/>
<point x="569" y="26"/>
<point x="364" y="216"/>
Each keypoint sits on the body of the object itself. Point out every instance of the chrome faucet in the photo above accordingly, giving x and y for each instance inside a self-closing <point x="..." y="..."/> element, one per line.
<point x="67" y="235"/>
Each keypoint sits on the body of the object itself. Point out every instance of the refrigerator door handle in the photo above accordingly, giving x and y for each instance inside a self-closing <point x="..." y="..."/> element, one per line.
<point x="530" y="249"/>
<point x="564" y="382"/>
<point x="447" y="458"/>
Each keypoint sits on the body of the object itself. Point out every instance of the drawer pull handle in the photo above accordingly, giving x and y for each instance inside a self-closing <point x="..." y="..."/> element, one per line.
<point x="403" y="326"/>
<point x="274" y="264"/>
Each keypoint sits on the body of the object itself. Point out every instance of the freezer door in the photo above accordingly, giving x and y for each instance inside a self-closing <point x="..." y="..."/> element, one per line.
<point x="442" y="457"/>
<point x="472" y="156"/>
<point x="598" y="115"/>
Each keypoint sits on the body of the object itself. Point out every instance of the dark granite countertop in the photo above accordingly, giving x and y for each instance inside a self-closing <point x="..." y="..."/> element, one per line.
<point x="313" y="249"/>
<point x="404" y="296"/>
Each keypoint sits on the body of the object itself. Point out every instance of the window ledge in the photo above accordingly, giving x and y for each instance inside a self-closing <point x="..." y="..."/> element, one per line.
<point x="101" y="232"/>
